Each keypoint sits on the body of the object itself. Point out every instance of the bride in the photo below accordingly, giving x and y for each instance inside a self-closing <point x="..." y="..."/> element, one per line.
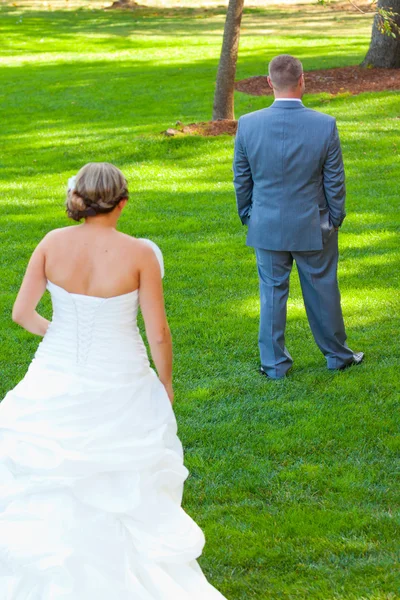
<point x="91" y="469"/>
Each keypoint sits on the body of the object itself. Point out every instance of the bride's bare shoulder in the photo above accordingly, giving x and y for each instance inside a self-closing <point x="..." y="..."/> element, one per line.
<point x="56" y="235"/>
<point x="146" y="252"/>
<point x="140" y="245"/>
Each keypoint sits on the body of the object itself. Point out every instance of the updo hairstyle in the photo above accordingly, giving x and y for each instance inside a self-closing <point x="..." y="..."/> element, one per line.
<point x="98" y="188"/>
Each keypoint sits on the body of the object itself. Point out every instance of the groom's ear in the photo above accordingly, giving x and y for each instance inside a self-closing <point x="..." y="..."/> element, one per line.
<point x="270" y="82"/>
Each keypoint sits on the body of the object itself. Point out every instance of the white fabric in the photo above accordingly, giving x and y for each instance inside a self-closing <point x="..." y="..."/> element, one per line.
<point x="71" y="183"/>
<point x="91" y="468"/>
<point x="288" y="100"/>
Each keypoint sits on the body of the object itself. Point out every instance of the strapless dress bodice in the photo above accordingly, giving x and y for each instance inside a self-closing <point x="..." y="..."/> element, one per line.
<point x="92" y="332"/>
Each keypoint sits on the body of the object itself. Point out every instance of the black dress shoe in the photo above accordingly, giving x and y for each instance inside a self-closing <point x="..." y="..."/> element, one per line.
<point x="264" y="373"/>
<point x="358" y="357"/>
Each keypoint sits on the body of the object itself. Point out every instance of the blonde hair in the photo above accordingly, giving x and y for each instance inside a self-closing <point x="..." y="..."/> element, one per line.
<point x="285" y="71"/>
<point x="98" y="188"/>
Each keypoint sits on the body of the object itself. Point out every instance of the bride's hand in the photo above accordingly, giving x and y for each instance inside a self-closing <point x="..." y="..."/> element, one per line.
<point x="170" y="391"/>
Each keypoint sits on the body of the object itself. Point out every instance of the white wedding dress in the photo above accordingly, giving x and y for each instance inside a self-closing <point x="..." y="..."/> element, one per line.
<point x="91" y="469"/>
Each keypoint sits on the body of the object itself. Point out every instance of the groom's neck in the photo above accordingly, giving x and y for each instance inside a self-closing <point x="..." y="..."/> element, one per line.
<point x="288" y="94"/>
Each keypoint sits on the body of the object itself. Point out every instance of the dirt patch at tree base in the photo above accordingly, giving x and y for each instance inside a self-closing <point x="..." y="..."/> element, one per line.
<point x="205" y="128"/>
<point x="123" y="4"/>
<point x="340" y="80"/>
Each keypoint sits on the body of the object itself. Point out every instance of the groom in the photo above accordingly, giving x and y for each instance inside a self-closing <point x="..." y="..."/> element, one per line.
<point x="290" y="191"/>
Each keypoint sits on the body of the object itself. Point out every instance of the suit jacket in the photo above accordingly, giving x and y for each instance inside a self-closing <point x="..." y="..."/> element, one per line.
<point x="289" y="177"/>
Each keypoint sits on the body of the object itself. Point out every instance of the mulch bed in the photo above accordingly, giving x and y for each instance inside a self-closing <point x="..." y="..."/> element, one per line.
<point x="353" y="80"/>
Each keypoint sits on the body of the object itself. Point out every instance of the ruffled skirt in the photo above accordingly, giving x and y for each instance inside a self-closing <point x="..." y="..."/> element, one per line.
<point x="91" y="480"/>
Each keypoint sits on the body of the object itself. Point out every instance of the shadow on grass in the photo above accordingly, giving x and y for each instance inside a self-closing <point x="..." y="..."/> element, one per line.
<point x="179" y="21"/>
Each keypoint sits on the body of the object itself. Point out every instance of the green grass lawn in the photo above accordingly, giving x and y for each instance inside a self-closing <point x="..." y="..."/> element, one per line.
<point x="293" y="481"/>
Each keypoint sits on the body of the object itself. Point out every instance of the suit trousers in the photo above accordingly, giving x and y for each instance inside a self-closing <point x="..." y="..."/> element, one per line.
<point x="319" y="285"/>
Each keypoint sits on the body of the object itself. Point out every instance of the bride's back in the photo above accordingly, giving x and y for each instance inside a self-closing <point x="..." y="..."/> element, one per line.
<point x="93" y="260"/>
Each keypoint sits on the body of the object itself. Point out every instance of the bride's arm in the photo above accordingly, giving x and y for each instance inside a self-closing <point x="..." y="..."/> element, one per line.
<point x="32" y="289"/>
<point x="151" y="299"/>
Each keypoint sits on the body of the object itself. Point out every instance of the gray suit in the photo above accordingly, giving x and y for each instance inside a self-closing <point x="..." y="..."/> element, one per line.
<point x="290" y="191"/>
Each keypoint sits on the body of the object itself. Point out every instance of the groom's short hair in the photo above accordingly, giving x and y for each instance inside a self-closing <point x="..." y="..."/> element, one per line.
<point x="285" y="71"/>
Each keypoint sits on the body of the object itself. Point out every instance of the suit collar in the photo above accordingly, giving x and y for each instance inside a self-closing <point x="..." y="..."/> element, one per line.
<point x="287" y="104"/>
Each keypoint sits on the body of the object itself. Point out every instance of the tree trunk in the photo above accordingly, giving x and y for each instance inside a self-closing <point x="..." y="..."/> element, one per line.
<point x="223" y="99"/>
<point x="384" y="50"/>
